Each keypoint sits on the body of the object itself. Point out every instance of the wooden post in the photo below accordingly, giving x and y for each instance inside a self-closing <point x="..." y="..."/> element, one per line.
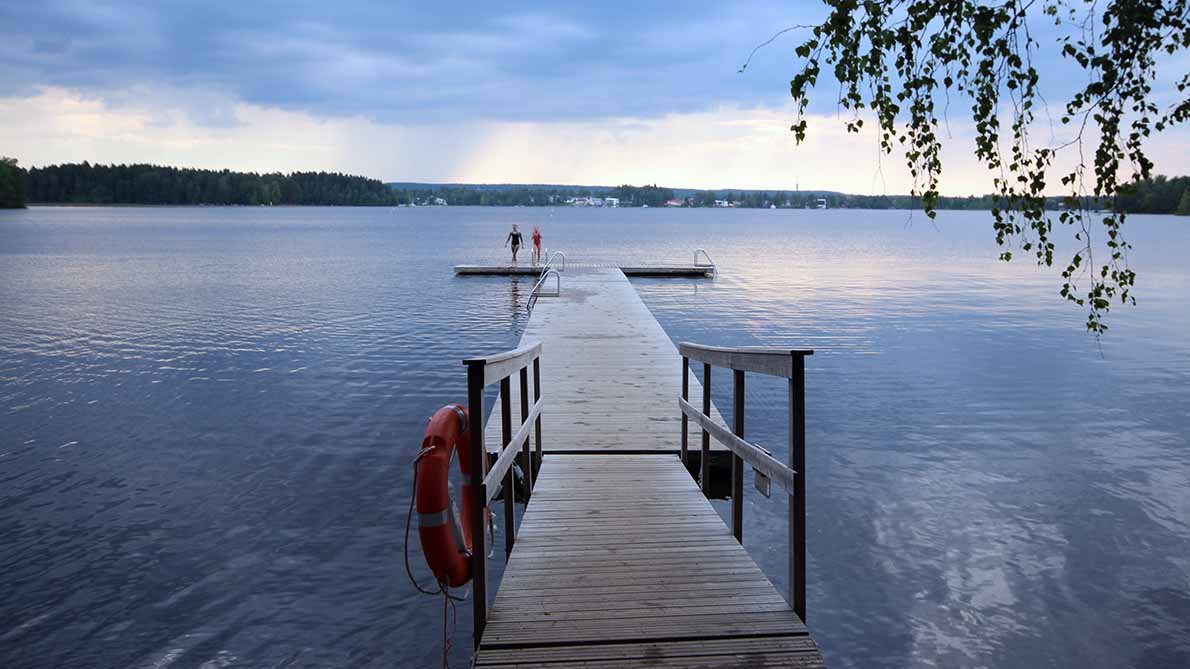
<point x="525" y="449"/>
<point x="737" y="463"/>
<point x="479" y="550"/>
<point x="537" y="396"/>
<point x="705" y="471"/>
<point x="509" y="490"/>
<point x="797" y="501"/>
<point x="685" y="418"/>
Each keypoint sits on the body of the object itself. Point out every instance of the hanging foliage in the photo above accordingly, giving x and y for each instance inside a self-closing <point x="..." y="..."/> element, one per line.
<point x="896" y="60"/>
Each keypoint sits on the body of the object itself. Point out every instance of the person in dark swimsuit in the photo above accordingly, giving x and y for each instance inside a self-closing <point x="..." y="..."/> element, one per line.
<point x="514" y="238"/>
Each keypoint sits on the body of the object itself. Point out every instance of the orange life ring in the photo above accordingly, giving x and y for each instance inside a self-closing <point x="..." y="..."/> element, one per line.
<point x="445" y="537"/>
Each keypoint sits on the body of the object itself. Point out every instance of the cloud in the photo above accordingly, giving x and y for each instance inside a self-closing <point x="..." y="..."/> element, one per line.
<point x="642" y="92"/>
<point x="405" y="62"/>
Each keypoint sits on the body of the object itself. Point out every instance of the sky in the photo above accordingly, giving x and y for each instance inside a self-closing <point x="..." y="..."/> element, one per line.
<point x="593" y="93"/>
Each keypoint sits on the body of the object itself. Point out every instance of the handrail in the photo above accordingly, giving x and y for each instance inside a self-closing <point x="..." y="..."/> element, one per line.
<point x="709" y="263"/>
<point x="550" y="259"/>
<point x="765" y="360"/>
<point x="485" y="482"/>
<point x="537" y="288"/>
<point x="786" y="363"/>
<point x="500" y="365"/>
<point x="758" y="457"/>
<point x="508" y="455"/>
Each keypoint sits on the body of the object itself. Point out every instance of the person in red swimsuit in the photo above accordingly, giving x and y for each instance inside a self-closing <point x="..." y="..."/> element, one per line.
<point x="536" y="245"/>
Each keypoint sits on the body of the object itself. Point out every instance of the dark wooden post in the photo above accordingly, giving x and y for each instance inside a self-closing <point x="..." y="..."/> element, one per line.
<point x="509" y="490"/>
<point x="705" y="470"/>
<point x="797" y="502"/>
<point x="525" y="449"/>
<point x="685" y="418"/>
<point x="537" y="396"/>
<point x="737" y="463"/>
<point x="479" y="550"/>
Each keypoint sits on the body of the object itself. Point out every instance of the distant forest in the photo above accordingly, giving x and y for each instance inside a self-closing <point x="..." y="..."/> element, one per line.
<point x="12" y="184"/>
<point x="155" y="184"/>
<point x="1160" y="195"/>
<point x="84" y="183"/>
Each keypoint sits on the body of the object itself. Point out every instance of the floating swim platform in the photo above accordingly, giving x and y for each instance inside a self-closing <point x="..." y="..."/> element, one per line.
<point x="676" y="271"/>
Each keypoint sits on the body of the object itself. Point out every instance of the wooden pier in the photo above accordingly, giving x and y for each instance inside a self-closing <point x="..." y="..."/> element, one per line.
<point x="620" y="559"/>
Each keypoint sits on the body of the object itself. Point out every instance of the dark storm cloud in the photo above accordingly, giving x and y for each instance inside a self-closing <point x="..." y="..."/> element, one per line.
<point x="413" y="63"/>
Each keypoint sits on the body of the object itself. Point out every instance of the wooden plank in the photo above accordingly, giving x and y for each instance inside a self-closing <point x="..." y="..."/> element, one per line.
<point x="772" y="361"/>
<point x="498" y="270"/>
<point x="767" y="646"/>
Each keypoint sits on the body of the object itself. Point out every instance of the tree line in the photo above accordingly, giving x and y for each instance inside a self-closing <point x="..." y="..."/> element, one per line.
<point x="12" y="184"/>
<point x="1160" y="195"/>
<point x="84" y="183"/>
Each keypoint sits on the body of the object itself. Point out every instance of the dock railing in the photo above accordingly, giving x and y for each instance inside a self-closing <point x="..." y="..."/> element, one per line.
<point x="552" y="260"/>
<point x="785" y="363"/>
<point x="539" y="288"/>
<point x="486" y="483"/>
<point x="709" y="263"/>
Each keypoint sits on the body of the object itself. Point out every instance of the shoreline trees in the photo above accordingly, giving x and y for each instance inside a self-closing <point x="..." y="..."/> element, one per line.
<point x="84" y="183"/>
<point x="12" y="184"/>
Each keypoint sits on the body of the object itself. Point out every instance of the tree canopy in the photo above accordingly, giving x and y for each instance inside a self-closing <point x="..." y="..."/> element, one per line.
<point x="84" y="183"/>
<point x="12" y="184"/>
<point x="900" y="61"/>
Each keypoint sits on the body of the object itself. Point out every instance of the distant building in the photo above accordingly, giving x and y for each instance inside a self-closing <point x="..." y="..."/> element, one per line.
<point x="675" y="203"/>
<point x="821" y="203"/>
<point x="439" y="202"/>
<point x="722" y="203"/>
<point x="611" y="201"/>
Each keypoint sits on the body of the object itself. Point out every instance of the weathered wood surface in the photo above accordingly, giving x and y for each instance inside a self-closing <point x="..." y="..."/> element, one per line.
<point x="609" y="373"/>
<point x="635" y="270"/>
<point x="620" y="561"/>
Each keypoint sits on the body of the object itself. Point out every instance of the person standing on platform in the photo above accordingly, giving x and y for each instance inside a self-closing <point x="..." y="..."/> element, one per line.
<point x="515" y="239"/>
<point x="536" y="245"/>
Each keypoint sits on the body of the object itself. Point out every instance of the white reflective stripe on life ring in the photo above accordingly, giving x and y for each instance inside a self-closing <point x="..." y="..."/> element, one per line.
<point x="435" y="519"/>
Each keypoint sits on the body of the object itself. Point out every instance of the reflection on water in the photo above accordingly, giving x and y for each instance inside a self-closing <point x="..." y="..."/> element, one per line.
<point x="209" y="416"/>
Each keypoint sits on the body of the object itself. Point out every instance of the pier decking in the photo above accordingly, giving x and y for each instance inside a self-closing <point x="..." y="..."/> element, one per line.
<point x="610" y="372"/>
<point x="620" y="559"/>
<point x="692" y="271"/>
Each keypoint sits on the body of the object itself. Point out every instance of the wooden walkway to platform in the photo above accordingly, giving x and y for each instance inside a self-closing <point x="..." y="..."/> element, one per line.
<point x="610" y="372"/>
<point x="619" y="559"/>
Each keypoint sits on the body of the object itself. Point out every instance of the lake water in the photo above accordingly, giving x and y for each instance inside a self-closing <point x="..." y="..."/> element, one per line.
<point x="209" y="415"/>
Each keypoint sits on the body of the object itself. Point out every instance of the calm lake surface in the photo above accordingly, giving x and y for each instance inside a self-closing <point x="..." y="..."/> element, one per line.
<point x="209" y="416"/>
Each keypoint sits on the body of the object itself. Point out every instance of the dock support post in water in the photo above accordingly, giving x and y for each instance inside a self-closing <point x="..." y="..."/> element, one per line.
<point x="737" y="463"/>
<point x="797" y="502"/>
<point x="507" y="485"/>
<point x="705" y="475"/>
<point x="685" y="452"/>
<point x="479" y="549"/>
<point x="525" y="462"/>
